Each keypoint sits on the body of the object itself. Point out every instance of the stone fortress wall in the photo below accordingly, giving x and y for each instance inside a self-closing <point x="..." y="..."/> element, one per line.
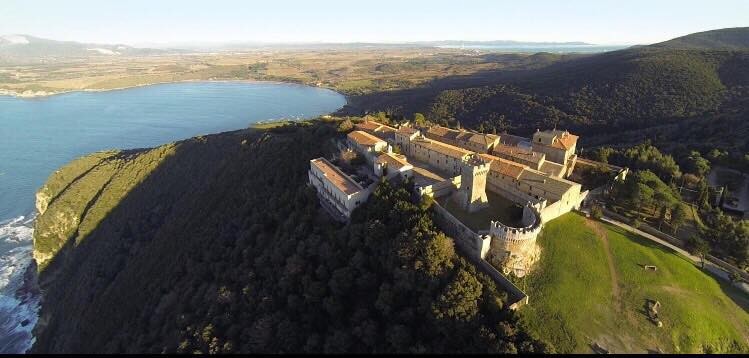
<point x="475" y="247"/>
<point x="455" y="168"/>
<point x="514" y="248"/>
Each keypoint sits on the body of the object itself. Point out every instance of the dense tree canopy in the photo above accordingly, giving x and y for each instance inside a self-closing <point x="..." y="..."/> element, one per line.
<point x="237" y="256"/>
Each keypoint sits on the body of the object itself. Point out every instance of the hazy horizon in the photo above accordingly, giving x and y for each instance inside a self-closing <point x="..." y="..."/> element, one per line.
<point x="301" y="42"/>
<point x="170" y="22"/>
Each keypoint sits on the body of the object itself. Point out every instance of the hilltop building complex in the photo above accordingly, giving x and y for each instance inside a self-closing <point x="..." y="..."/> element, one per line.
<point x="492" y="196"/>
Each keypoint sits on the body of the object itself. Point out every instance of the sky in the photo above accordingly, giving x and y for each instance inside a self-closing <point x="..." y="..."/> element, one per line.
<point x="135" y="22"/>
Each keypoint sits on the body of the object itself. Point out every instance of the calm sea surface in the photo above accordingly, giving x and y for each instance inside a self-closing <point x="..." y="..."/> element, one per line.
<point x="39" y="135"/>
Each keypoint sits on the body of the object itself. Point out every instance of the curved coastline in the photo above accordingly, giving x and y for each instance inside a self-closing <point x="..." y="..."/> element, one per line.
<point x="21" y="295"/>
<point x="29" y="94"/>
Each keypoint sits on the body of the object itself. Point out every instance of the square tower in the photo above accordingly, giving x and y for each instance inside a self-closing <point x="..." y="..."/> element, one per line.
<point x="472" y="193"/>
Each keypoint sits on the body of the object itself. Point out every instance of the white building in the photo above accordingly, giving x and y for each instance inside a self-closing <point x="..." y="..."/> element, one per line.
<point x="339" y="194"/>
<point x="366" y="144"/>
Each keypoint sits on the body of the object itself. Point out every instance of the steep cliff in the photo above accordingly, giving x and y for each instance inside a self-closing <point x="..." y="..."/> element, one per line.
<point x="216" y="245"/>
<point x="80" y="194"/>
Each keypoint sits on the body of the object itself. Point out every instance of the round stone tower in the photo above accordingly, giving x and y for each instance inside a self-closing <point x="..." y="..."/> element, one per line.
<point x="514" y="249"/>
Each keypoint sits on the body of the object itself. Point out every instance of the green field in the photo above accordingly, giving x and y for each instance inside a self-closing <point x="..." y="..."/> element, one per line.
<point x="590" y="286"/>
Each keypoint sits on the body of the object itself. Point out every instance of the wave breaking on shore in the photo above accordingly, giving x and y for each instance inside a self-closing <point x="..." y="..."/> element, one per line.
<point x="19" y="296"/>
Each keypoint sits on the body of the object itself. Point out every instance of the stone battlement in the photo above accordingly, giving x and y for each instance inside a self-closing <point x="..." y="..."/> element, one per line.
<point x="475" y="160"/>
<point x="530" y="229"/>
<point x="514" y="248"/>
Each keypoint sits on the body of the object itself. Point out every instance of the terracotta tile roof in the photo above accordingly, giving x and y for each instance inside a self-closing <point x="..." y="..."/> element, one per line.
<point x="526" y="175"/>
<point x="372" y="126"/>
<point x="556" y="186"/>
<point x="364" y="138"/>
<point x="504" y="166"/>
<point x="480" y="138"/>
<point x="444" y="148"/>
<point x="559" y="139"/>
<point x="334" y="175"/>
<point x="462" y="135"/>
<point x="552" y="168"/>
<point x="517" y="152"/>
<point x="393" y="161"/>
<point x="438" y="131"/>
<point x="386" y="129"/>
<point x="367" y="126"/>
<point x="566" y="140"/>
<point x="408" y="130"/>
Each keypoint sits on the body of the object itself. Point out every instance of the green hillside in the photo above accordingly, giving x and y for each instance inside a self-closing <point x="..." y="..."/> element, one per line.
<point x="599" y="297"/>
<point x="217" y="245"/>
<point x="725" y="39"/>
<point x="633" y="89"/>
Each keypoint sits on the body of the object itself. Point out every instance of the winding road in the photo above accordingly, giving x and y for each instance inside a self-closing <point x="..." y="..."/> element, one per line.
<point x="709" y="266"/>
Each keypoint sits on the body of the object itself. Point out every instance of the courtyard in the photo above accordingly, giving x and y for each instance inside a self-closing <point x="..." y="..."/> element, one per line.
<point x="500" y="209"/>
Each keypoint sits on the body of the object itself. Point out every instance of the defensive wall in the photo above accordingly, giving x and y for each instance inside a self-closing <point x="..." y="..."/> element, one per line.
<point x="475" y="248"/>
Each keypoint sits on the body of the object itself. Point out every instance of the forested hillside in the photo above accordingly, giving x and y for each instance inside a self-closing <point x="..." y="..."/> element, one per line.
<point x="216" y="245"/>
<point x="726" y="39"/>
<point x="635" y="89"/>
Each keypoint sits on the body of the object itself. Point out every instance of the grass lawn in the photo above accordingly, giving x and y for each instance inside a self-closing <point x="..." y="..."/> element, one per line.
<point x="589" y="286"/>
<point x="271" y="124"/>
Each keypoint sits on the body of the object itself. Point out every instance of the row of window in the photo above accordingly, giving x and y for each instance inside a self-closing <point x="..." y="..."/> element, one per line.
<point x="332" y="195"/>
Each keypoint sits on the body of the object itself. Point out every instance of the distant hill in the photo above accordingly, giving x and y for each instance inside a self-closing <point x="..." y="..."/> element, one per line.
<point x="736" y="38"/>
<point x="250" y="45"/>
<point x="596" y="95"/>
<point x="25" y="48"/>
<point x="500" y="43"/>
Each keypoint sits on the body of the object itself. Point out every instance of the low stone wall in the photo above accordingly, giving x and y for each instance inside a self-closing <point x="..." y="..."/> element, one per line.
<point x="553" y="211"/>
<point x="474" y="247"/>
<point x="517" y="297"/>
<point x="465" y="238"/>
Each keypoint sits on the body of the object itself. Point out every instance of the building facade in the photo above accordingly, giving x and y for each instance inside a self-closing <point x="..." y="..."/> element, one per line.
<point x="473" y="141"/>
<point x="472" y="191"/>
<point x="338" y="193"/>
<point x="454" y="164"/>
<point x="366" y="144"/>
<point x="559" y="146"/>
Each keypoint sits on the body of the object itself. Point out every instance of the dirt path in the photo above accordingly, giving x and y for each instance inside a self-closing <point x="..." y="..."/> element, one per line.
<point x="601" y="233"/>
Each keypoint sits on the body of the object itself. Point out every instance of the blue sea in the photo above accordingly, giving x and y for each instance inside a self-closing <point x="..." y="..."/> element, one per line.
<point x="39" y="135"/>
